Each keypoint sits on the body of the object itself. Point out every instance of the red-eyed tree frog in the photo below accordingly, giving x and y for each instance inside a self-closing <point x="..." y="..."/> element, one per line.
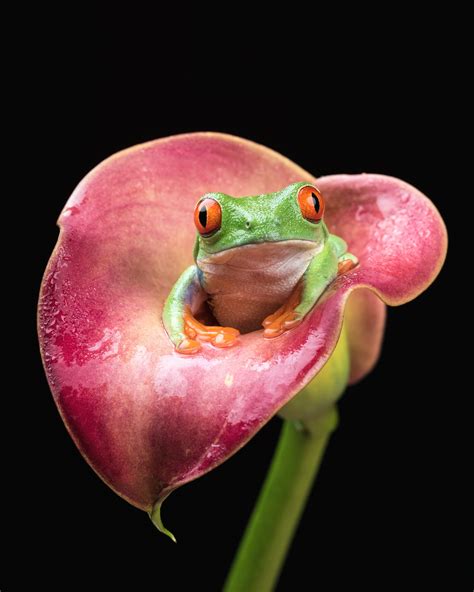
<point x="263" y="260"/>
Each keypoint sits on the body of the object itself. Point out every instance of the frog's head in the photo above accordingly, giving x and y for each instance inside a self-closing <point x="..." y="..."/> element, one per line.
<point x="294" y="213"/>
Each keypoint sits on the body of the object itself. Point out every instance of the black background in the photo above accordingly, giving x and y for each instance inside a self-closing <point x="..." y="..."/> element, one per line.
<point x="379" y="512"/>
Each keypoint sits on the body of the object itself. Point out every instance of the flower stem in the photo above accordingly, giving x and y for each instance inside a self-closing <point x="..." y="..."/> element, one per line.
<point x="281" y="502"/>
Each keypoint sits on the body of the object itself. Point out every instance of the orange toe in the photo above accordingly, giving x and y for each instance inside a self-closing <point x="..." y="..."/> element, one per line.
<point x="285" y="318"/>
<point x="345" y="266"/>
<point x="188" y="346"/>
<point x="267" y="321"/>
<point x="225" y="338"/>
<point x="292" y="320"/>
<point x="197" y="332"/>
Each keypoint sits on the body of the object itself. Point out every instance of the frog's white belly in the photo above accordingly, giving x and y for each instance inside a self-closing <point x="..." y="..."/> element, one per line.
<point x="247" y="283"/>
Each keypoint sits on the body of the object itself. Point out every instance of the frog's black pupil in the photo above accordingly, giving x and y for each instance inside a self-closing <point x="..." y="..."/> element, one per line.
<point x="203" y="216"/>
<point x="315" y="202"/>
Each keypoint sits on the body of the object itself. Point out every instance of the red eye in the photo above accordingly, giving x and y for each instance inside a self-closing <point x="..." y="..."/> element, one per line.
<point x="311" y="203"/>
<point x="208" y="216"/>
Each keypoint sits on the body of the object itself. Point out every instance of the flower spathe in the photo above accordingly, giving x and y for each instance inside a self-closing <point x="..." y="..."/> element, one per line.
<point x="148" y="419"/>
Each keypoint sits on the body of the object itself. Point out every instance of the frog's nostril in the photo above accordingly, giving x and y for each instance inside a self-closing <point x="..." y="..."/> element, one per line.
<point x="247" y="224"/>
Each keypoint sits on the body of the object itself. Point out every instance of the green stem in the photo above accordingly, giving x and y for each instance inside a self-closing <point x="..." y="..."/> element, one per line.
<point x="281" y="502"/>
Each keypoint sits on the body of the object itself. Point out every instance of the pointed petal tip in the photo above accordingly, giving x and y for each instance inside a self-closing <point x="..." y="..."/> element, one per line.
<point x="155" y="516"/>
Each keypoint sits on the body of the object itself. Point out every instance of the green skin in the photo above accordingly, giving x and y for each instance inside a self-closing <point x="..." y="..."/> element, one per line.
<point x="258" y="220"/>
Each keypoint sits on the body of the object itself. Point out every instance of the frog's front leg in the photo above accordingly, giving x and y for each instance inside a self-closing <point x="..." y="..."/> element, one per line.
<point x="322" y="270"/>
<point x="182" y="295"/>
<point x="184" y="330"/>
<point x="346" y="261"/>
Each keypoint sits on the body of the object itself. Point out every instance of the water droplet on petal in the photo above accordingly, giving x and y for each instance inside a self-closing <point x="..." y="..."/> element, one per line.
<point x="405" y="197"/>
<point x="360" y="213"/>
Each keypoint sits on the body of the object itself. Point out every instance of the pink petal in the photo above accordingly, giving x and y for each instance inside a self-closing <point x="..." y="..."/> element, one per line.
<point x="364" y="316"/>
<point x="401" y="242"/>
<point x="148" y="419"/>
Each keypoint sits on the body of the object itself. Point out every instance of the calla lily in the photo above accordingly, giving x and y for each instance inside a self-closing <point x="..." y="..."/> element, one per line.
<point x="148" y="419"/>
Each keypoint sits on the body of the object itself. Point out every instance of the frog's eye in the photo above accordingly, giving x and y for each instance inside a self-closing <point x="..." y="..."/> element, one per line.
<point x="207" y="216"/>
<point x="311" y="203"/>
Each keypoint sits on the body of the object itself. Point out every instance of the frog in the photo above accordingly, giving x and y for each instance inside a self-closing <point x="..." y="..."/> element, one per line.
<point x="261" y="262"/>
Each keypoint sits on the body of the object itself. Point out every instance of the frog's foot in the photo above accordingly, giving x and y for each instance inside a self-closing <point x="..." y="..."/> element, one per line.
<point x="346" y="263"/>
<point x="196" y="332"/>
<point x="285" y="318"/>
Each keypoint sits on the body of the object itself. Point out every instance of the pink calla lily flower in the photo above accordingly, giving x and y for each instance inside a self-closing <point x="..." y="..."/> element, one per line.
<point x="148" y="419"/>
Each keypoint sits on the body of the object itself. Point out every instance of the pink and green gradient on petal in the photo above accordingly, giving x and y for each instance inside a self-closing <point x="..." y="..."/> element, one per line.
<point x="148" y="419"/>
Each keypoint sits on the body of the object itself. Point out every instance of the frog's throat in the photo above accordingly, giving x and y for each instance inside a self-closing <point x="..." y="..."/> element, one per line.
<point x="246" y="284"/>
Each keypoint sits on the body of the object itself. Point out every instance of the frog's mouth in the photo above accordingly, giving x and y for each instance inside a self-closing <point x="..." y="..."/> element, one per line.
<point x="271" y="257"/>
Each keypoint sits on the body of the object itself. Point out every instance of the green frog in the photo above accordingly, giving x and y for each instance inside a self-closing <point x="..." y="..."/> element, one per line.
<point x="260" y="261"/>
